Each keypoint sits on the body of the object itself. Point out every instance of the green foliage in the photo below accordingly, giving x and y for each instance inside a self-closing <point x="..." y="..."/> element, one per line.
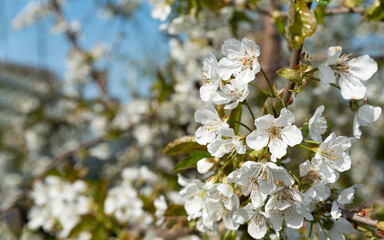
<point x="191" y="160"/>
<point x="376" y="12"/>
<point x="181" y="145"/>
<point x="320" y="12"/>
<point x="301" y="23"/>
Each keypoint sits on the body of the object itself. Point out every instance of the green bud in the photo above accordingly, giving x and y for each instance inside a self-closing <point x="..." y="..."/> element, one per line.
<point x="355" y="104"/>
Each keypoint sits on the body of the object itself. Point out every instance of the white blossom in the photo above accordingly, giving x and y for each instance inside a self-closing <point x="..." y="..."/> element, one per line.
<point x="317" y="125"/>
<point x="365" y="116"/>
<point x="209" y="203"/>
<point x="58" y="201"/>
<point x="277" y="133"/>
<point x="213" y="80"/>
<point x="332" y="157"/>
<point x="212" y="124"/>
<point x="161" y="9"/>
<point x="351" y="72"/>
<point x="286" y="205"/>
<point x="231" y="94"/>
<point x="257" y="222"/>
<point x="259" y="180"/>
<point x="229" y="144"/>
<point x="240" y="57"/>
<point x="345" y="197"/>
<point x="161" y="206"/>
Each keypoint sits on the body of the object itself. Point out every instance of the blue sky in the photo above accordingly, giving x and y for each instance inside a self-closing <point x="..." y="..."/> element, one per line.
<point x="36" y="46"/>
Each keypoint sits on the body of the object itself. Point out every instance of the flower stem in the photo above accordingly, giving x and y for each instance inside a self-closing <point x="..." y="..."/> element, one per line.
<point x="310" y="231"/>
<point x="242" y="124"/>
<point x="250" y="110"/>
<point x="269" y="83"/>
<point x="294" y="176"/>
<point x="262" y="90"/>
<point x="332" y="84"/>
<point x="310" y="141"/>
<point x="308" y="148"/>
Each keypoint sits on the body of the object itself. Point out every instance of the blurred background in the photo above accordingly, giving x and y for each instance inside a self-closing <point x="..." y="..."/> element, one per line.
<point x="88" y="88"/>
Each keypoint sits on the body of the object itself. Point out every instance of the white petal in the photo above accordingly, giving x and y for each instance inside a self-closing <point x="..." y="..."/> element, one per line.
<point x="368" y="114"/>
<point x="278" y="149"/>
<point x="264" y="122"/>
<point x="335" y="210"/>
<point x="232" y="48"/>
<point x="225" y="189"/>
<point x="327" y="75"/>
<point x="356" y="127"/>
<point x="346" y="196"/>
<point x="208" y="112"/>
<point x="292" y="135"/>
<point x="251" y="47"/>
<point x="204" y="165"/>
<point x="328" y="173"/>
<point x="226" y="67"/>
<point x="351" y="88"/>
<point x="293" y="219"/>
<point x="207" y="90"/>
<point x="286" y="118"/>
<point x="257" y="139"/>
<point x="333" y="54"/>
<point x="343" y="225"/>
<point x="305" y="167"/>
<point x="240" y="216"/>
<point x="257" y="229"/>
<point x="362" y="67"/>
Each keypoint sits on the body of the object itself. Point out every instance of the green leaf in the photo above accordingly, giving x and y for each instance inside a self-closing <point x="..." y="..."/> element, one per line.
<point x="291" y="74"/>
<point x="376" y="12"/>
<point x="191" y="160"/>
<point x="101" y="193"/>
<point x="325" y="2"/>
<point x="320" y="12"/>
<point x="301" y="23"/>
<point x="181" y="145"/>
<point x="235" y="116"/>
<point x="175" y="210"/>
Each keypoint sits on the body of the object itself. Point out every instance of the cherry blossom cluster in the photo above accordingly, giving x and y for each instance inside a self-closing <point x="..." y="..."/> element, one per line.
<point x="59" y="205"/>
<point x="260" y="191"/>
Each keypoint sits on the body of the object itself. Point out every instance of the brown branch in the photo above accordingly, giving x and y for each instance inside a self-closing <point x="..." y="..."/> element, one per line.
<point x="331" y="11"/>
<point x="99" y="77"/>
<point x="352" y="216"/>
<point x="290" y="85"/>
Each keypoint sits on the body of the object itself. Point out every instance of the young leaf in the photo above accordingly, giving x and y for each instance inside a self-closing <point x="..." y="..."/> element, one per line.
<point x="191" y="160"/>
<point x="181" y="145"/>
<point x="301" y="23"/>
<point x="291" y="74"/>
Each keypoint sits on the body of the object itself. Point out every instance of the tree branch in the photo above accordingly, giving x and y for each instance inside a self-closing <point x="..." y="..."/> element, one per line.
<point x="99" y="77"/>
<point x="331" y="11"/>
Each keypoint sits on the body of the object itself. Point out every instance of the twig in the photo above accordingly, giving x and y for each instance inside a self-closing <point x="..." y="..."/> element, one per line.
<point x="352" y="216"/>
<point x="290" y="85"/>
